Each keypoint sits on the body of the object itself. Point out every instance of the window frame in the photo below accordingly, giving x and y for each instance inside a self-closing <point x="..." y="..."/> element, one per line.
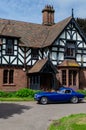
<point x="34" y="53"/>
<point x="9" y="46"/>
<point x="70" y="49"/>
<point x="8" y="76"/>
<point x="64" y="77"/>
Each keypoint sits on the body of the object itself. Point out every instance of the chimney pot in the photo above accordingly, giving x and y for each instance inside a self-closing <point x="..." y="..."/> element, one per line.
<point x="48" y="15"/>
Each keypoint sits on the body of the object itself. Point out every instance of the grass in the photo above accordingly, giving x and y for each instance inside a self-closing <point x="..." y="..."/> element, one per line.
<point x="72" y="122"/>
<point x="17" y="99"/>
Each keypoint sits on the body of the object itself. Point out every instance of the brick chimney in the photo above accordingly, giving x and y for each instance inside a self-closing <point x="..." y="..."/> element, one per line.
<point x="48" y="15"/>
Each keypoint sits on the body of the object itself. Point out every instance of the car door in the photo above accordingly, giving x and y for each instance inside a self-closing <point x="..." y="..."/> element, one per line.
<point x="62" y="96"/>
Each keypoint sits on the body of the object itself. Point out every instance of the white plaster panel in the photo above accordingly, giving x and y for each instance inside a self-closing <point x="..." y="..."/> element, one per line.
<point x="74" y="36"/>
<point x="15" y="42"/>
<point x="12" y="58"/>
<point x="28" y="58"/>
<point x="15" y="47"/>
<point x="61" y="56"/>
<point x="84" y="51"/>
<point x="15" y="62"/>
<point x="79" y="51"/>
<point x="62" y="43"/>
<point x="4" y="46"/>
<point x="33" y="62"/>
<point x="84" y="45"/>
<point x="68" y="36"/>
<point x="40" y="53"/>
<point x="61" y="49"/>
<point x="84" y="64"/>
<point x="62" y="35"/>
<point x="3" y="52"/>
<point x="28" y="52"/>
<point x="54" y="48"/>
<point x="54" y="62"/>
<point x="21" y="52"/>
<point x="54" y="56"/>
<point x="79" y="37"/>
<point x="4" y="40"/>
<point x="80" y="45"/>
<point x="7" y="58"/>
<point x="20" y="63"/>
<point x="15" y="52"/>
<point x="84" y="58"/>
<point x="78" y="57"/>
<point x="4" y="61"/>
<point x="21" y="58"/>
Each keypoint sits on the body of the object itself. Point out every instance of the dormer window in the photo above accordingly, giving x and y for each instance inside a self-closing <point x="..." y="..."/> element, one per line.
<point x="70" y="49"/>
<point x="35" y="54"/>
<point x="9" y="46"/>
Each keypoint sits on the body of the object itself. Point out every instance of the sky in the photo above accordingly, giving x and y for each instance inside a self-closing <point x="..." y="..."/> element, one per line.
<point x="30" y="10"/>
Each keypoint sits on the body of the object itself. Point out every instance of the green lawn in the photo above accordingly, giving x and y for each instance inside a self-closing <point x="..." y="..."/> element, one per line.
<point x="17" y="99"/>
<point x="72" y="122"/>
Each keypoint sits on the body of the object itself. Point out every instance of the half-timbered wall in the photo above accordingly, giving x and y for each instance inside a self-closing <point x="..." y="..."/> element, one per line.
<point x="17" y="58"/>
<point x="57" y="51"/>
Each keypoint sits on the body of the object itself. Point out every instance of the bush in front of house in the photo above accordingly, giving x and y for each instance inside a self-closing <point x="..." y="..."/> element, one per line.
<point x="25" y="92"/>
<point x="82" y="91"/>
<point x="7" y="94"/>
<point x="3" y="94"/>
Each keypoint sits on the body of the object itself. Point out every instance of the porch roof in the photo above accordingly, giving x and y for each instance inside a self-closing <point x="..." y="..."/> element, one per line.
<point x="69" y="63"/>
<point x="39" y="66"/>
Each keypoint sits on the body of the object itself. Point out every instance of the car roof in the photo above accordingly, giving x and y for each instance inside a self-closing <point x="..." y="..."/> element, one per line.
<point x="65" y="88"/>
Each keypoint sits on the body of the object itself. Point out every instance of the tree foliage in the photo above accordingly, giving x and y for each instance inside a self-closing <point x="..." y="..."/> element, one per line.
<point x="82" y="24"/>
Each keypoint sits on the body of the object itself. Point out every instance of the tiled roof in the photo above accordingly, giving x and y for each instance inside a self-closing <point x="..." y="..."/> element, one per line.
<point x="69" y="63"/>
<point x="38" y="66"/>
<point x="32" y="35"/>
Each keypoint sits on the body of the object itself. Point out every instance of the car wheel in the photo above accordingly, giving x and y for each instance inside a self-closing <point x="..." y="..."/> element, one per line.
<point x="74" y="99"/>
<point x="44" y="100"/>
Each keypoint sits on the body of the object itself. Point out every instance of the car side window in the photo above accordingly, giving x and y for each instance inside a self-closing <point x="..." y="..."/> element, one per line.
<point x="67" y="91"/>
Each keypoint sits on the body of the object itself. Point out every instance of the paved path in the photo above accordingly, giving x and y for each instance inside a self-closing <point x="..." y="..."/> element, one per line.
<point x="32" y="116"/>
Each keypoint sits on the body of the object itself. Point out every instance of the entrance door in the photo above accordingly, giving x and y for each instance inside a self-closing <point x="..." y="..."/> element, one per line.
<point x="46" y="81"/>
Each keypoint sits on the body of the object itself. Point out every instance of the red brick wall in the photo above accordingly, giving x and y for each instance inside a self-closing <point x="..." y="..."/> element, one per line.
<point x="20" y="80"/>
<point x="82" y="79"/>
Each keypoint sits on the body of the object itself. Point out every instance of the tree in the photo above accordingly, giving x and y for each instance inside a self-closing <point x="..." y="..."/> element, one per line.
<point x="82" y="24"/>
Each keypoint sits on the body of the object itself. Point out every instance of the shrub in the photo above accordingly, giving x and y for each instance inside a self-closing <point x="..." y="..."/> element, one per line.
<point x="82" y="91"/>
<point x="25" y="92"/>
<point x="11" y="94"/>
<point x="3" y="94"/>
<point x="22" y="92"/>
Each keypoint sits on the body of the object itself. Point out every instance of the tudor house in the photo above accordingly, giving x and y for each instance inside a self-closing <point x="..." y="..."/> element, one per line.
<point x="42" y="56"/>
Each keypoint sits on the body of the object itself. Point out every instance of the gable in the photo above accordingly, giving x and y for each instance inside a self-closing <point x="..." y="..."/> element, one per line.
<point x="71" y="32"/>
<point x="43" y="66"/>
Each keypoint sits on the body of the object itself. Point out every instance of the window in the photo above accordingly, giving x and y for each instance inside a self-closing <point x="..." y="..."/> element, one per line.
<point x="5" y="76"/>
<point x="34" y="54"/>
<point x="70" y="49"/>
<point x="72" y="77"/>
<point x="9" y="46"/>
<point x="34" y="80"/>
<point x="11" y="76"/>
<point x="8" y="76"/>
<point x="64" y="77"/>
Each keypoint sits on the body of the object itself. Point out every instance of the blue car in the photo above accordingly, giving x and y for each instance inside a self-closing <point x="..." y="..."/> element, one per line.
<point x="63" y="95"/>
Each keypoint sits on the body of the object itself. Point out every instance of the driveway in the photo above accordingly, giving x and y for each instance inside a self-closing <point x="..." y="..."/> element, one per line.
<point x="32" y="116"/>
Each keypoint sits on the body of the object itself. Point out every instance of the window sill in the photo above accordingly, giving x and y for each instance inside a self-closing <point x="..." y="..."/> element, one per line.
<point x="9" y="85"/>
